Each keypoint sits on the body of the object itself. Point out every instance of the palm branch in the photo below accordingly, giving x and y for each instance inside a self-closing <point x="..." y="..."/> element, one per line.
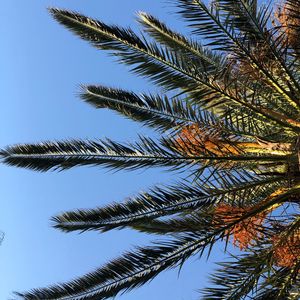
<point x="228" y="116"/>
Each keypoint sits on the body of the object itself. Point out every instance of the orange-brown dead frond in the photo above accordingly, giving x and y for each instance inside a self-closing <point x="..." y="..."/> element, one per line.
<point x="243" y="232"/>
<point x="194" y="141"/>
<point x="286" y="251"/>
<point x="288" y="17"/>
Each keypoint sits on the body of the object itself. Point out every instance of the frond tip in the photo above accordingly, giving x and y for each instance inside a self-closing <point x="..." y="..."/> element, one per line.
<point x="122" y="274"/>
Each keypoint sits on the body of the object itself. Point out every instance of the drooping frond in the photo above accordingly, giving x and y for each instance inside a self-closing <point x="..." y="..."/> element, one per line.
<point x="158" y="202"/>
<point x="152" y="110"/>
<point x="161" y="202"/>
<point x="125" y="273"/>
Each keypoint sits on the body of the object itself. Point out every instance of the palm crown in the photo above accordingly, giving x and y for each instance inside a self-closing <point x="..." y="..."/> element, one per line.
<point x="233" y="125"/>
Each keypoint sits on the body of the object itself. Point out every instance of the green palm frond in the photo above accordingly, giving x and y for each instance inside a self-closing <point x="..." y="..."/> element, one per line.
<point x="153" y="110"/>
<point x="284" y="283"/>
<point x="65" y="155"/>
<point x="159" y="202"/>
<point x="145" y="153"/>
<point x="176" y="225"/>
<point x="147" y="59"/>
<point x="243" y="122"/>
<point x="135" y="268"/>
<point x="200" y="219"/>
<point x="203" y="57"/>
<point x="236" y="278"/>
<point x="122" y="274"/>
<point x="203" y="20"/>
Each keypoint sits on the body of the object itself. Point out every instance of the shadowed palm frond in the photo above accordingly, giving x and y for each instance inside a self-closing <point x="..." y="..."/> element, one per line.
<point x="153" y="110"/>
<point x="122" y="274"/>
<point x="201" y="217"/>
<point x="147" y="59"/>
<point x="158" y="202"/>
<point x="164" y="201"/>
<point x="236" y="278"/>
<point x="208" y="60"/>
<point x="146" y="153"/>
<point x="65" y="155"/>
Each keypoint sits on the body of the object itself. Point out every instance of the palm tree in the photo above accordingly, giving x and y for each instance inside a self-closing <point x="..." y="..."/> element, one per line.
<point x="228" y="116"/>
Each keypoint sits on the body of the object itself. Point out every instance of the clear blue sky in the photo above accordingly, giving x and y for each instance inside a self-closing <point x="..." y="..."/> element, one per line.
<point x="42" y="65"/>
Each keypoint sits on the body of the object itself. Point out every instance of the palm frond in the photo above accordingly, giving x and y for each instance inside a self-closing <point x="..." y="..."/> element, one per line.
<point x="203" y="57"/>
<point x="145" y="153"/>
<point x="148" y="59"/>
<point x="166" y="201"/>
<point x="225" y="155"/>
<point x="125" y="273"/>
<point x="158" y="202"/>
<point x="65" y="155"/>
<point x="191" y="223"/>
<point x="152" y="110"/>
<point x="203" y="217"/>
<point x="281" y="284"/>
<point x="237" y="279"/>
<point x="162" y="65"/>
<point x="203" y="20"/>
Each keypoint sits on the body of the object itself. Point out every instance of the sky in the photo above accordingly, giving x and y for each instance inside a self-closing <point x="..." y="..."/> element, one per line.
<point x="42" y="65"/>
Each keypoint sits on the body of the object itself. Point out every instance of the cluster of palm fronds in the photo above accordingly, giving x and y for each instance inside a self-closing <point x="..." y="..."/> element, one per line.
<point x="233" y="127"/>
